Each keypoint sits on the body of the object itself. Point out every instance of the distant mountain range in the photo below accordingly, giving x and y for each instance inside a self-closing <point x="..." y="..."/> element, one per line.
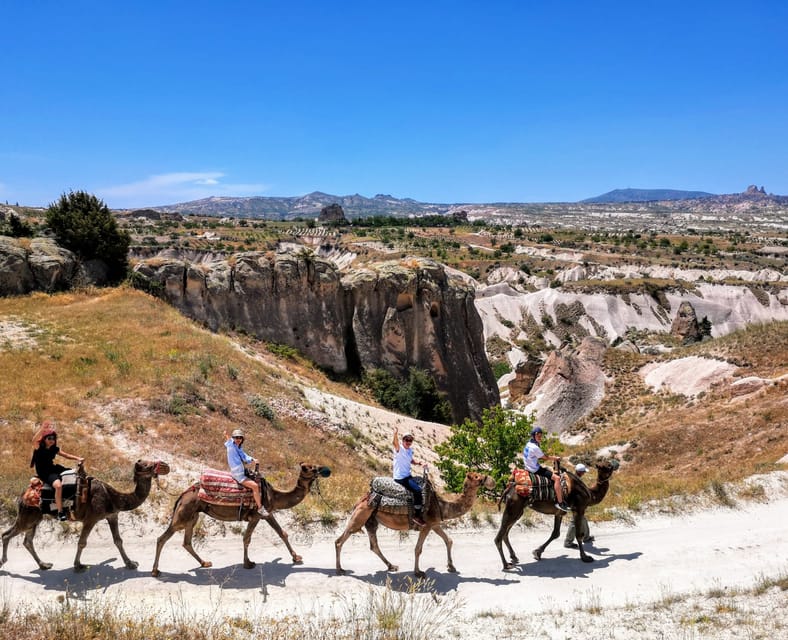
<point x="358" y="206"/>
<point x="308" y="206"/>
<point x="648" y="195"/>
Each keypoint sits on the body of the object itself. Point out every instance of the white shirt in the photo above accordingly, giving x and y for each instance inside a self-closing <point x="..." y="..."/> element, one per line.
<point x="402" y="460"/>
<point x="531" y="455"/>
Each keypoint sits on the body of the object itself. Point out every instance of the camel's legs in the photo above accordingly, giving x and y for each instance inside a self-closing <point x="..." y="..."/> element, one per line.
<point x="27" y="542"/>
<point x="511" y="514"/>
<point x="555" y="533"/>
<point x="439" y="530"/>
<point x="423" y="533"/>
<point x="357" y="519"/>
<point x="371" y="526"/>
<point x="579" y="535"/>
<point x="112" y="521"/>
<point x="188" y="533"/>
<point x="283" y="535"/>
<point x="248" y="564"/>
<point x="87" y="527"/>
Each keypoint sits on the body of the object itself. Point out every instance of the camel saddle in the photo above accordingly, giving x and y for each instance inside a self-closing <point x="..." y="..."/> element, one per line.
<point x="535" y="487"/>
<point x="220" y="488"/>
<point x="46" y="493"/>
<point x="388" y="496"/>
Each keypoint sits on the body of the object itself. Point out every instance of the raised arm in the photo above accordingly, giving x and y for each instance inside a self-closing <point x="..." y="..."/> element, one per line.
<point x="395" y="441"/>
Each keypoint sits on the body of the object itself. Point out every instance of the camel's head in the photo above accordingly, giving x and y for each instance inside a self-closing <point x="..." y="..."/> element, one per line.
<point x="312" y="471"/>
<point x="605" y="468"/>
<point x="475" y="479"/>
<point x="150" y="468"/>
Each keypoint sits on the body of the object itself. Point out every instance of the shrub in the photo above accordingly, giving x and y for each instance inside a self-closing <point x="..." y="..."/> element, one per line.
<point x="490" y="446"/>
<point x="83" y="224"/>
<point x="418" y="396"/>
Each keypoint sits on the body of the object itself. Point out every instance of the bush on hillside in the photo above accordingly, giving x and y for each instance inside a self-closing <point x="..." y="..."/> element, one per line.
<point x="418" y="396"/>
<point x="84" y="224"/>
<point x="491" y="446"/>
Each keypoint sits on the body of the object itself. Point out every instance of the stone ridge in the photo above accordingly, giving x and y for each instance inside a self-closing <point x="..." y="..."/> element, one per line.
<point x="392" y="315"/>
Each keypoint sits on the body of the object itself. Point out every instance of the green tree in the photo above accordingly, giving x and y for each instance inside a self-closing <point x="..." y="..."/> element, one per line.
<point x="84" y="224"/>
<point x="490" y="446"/>
<point x="418" y="396"/>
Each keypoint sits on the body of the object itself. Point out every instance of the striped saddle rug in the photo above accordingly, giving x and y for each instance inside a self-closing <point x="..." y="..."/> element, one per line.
<point x="530" y="485"/>
<point x="218" y="487"/>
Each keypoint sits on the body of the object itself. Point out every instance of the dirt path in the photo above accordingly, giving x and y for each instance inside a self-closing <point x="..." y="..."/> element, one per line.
<point x="658" y="559"/>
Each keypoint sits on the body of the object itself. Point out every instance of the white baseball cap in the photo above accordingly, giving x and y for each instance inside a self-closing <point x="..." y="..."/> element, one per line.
<point x="581" y="468"/>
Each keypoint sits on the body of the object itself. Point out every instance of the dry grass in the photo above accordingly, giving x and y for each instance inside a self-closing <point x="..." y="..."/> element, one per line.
<point x="684" y="446"/>
<point x="121" y="372"/>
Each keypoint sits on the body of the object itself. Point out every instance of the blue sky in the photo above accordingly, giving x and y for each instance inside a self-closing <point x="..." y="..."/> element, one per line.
<point x="150" y="103"/>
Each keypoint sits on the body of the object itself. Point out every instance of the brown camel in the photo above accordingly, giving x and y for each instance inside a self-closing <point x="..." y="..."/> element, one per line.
<point x="103" y="502"/>
<point x="435" y="512"/>
<point x="189" y="506"/>
<point x="578" y="496"/>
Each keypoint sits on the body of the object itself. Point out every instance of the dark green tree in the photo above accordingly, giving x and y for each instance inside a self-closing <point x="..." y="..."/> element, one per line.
<point x="418" y="396"/>
<point x="84" y="224"/>
<point x="490" y="446"/>
<point x="704" y="326"/>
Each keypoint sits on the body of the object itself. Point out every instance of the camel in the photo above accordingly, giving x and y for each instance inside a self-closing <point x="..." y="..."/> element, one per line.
<point x="578" y="496"/>
<point x="189" y="506"/>
<point x="103" y="503"/>
<point x="435" y="512"/>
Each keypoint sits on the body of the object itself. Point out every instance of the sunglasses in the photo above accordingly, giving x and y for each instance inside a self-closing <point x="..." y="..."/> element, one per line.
<point x="51" y="438"/>
<point x="407" y="440"/>
<point x="238" y="437"/>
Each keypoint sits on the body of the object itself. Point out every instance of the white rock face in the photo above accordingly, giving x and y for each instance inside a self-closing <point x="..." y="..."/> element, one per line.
<point x="728" y="308"/>
<point x="686" y="376"/>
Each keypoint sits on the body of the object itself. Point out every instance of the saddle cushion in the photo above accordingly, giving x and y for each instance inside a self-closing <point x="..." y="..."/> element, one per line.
<point x="390" y="496"/>
<point x="68" y="480"/>
<point x="219" y="487"/>
<point x="536" y="487"/>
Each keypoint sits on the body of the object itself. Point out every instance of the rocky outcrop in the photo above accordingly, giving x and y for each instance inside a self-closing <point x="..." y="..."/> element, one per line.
<point x="43" y="265"/>
<point x="332" y="213"/>
<point x="525" y="374"/>
<point x="569" y="386"/>
<point x="393" y="315"/>
<point x="685" y="325"/>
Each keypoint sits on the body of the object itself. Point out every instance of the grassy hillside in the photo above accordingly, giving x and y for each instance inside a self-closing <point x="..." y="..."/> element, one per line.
<point x="124" y="375"/>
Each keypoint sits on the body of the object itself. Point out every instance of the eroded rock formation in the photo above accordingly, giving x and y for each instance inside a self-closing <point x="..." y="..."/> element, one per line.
<point x="393" y="315"/>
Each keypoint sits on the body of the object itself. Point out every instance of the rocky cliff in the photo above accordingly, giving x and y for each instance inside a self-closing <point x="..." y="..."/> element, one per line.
<point x="41" y="265"/>
<point x="393" y="315"/>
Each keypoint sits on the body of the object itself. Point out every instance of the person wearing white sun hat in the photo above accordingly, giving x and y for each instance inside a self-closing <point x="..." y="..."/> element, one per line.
<point x="585" y="533"/>
<point x="237" y="458"/>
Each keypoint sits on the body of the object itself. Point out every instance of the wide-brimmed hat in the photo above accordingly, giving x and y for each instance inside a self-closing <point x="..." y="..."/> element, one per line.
<point x="238" y="434"/>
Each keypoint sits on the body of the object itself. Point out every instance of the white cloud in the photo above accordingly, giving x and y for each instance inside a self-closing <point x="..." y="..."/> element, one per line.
<point x="170" y="188"/>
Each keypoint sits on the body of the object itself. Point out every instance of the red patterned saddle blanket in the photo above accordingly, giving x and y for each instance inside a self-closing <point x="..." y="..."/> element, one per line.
<point x="218" y="487"/>
<point x="529" y="484"/>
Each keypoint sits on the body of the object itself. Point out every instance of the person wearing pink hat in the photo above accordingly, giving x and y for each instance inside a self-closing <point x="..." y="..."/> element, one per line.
<point x="44" y="451"/>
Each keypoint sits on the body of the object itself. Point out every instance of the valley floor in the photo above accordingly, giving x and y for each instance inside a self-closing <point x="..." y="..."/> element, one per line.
<point x="655" y="576"/>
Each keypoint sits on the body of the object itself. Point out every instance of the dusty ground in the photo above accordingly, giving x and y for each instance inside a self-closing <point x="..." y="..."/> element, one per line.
<point x="655" y="576"/>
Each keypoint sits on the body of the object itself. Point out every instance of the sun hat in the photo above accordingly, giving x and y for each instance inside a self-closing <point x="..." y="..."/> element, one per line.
<point x="581" y="468"/>
<point x="407" y="436"/>
<point x="238" y="434"/>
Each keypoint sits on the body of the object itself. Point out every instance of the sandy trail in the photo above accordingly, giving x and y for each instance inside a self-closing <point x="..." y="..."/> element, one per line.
<point x="655" y="559"/>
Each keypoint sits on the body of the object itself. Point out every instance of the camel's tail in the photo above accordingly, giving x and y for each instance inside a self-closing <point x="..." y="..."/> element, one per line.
<point x="505" y="493"/>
